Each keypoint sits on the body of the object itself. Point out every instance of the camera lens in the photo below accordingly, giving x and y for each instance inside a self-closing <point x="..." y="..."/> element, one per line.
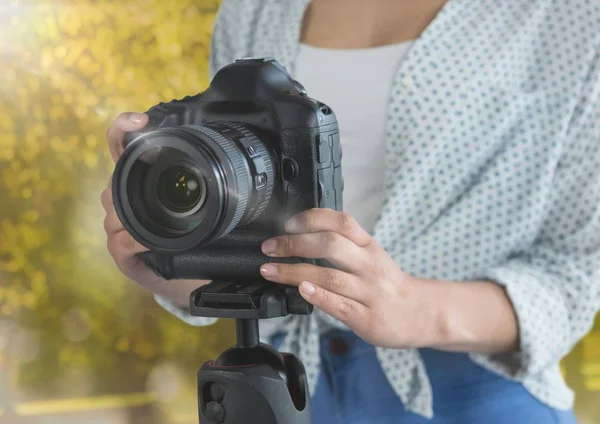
<point x="180" y="190"/>
<point x="182" y="187"/>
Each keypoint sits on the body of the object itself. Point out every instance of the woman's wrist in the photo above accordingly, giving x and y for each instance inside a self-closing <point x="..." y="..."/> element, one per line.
<point x="467" y="316"/>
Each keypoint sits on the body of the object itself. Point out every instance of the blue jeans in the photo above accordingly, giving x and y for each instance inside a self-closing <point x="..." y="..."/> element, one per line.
<point x="352" y="389"/>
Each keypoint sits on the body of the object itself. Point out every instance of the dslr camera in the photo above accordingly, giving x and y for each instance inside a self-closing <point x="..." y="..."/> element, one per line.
<point x="213" y="175"/>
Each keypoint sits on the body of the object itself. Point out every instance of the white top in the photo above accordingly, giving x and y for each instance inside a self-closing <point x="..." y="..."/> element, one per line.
<point x="356" y="84"/>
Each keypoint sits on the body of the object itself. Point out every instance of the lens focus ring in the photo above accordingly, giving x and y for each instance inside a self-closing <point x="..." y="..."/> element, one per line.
<point x="266" y="162"/>
<point x="240" y="171"/>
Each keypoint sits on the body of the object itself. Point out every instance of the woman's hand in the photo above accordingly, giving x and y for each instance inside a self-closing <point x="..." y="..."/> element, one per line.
<point x="121" y="245"/>
<point x="368" y="291"/>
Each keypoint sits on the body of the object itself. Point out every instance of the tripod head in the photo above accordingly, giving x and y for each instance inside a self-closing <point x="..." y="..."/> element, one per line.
<point x="251" y="382"/>
<point x="261" y="299"/>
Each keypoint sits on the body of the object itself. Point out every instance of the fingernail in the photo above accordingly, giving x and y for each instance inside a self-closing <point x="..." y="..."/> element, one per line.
<point x="307" y="288"/>
<point x="136" y="118"/>
<point x="268" y="270"/>
<point x="269" y="246"/>
<point x="292" y="225"/>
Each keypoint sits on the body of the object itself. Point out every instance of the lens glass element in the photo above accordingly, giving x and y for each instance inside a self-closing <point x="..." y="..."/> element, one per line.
<point x="168" y="192"/>
<point x="180" y="189"/>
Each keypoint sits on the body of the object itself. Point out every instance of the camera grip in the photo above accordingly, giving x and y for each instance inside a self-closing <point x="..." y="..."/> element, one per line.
<point x="244" y="266"/>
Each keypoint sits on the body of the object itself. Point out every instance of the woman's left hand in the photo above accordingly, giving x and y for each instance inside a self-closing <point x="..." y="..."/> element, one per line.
<point x="368" y="292"/>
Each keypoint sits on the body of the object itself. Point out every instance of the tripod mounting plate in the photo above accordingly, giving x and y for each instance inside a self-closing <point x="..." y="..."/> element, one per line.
<point x="255" y="300"/>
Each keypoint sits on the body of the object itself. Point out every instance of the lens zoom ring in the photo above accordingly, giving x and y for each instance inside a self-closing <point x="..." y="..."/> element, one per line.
<point x="240" y="171"/>
<point x="268" y="163"/>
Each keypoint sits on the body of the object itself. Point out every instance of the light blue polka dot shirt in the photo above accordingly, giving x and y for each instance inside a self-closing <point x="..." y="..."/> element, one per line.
<point x="492" y="172"/>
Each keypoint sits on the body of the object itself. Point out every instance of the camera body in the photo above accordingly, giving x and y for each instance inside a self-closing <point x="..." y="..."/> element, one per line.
<point x="213" y="175"/>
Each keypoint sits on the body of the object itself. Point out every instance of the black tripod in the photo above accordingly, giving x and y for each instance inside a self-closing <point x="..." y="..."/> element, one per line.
<point x="251" y="382"/>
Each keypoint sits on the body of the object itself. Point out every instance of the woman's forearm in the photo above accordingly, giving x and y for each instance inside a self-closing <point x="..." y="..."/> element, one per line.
<point x="178" y="291"/>
<point x="470" y="317"/>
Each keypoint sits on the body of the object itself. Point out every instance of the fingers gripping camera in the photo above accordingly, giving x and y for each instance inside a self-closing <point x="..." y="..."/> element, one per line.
<point x="214" y="175"/>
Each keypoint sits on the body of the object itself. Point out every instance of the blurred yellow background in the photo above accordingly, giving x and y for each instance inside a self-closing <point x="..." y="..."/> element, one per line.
<point x="79" y="343"/>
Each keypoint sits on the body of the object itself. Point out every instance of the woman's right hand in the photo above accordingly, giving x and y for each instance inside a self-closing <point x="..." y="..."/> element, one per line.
<point x="121" y="245"/>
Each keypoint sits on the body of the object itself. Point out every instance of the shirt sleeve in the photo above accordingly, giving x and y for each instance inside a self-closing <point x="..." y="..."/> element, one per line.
<point x="183" y="314"/>
<point x="555" y="286"/>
